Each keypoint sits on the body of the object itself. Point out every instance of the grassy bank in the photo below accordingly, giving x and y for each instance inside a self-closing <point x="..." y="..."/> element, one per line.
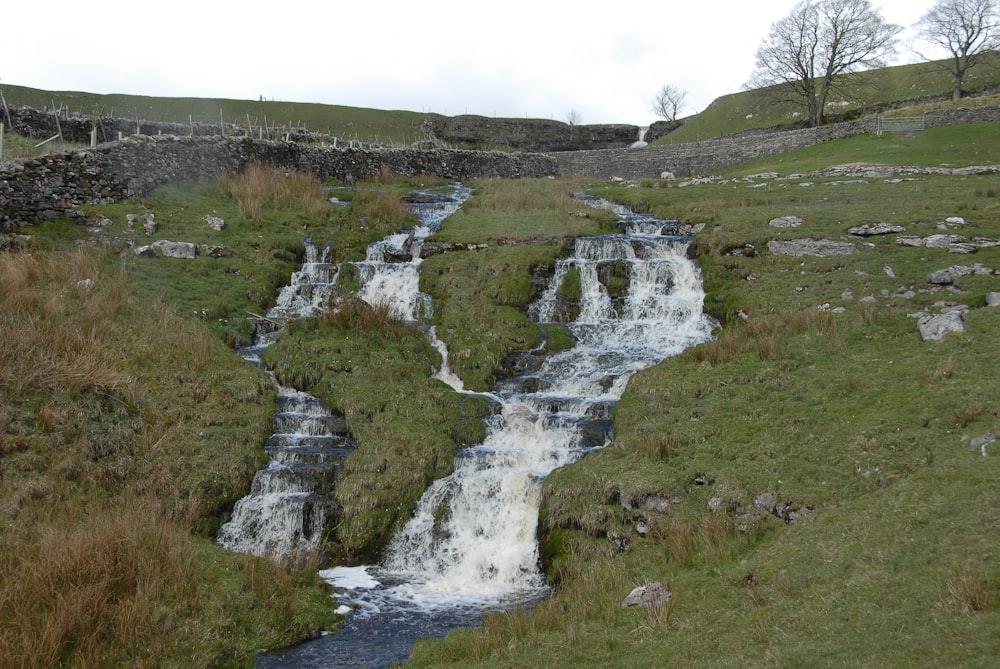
<point x="119" y="444"/>
<point x="819" y="402"/>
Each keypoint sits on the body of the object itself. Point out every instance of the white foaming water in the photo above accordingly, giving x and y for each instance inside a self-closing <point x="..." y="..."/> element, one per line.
<point x="290" y="503"/>
<point x="390" y="273"/>
<point x="472" y="541"/>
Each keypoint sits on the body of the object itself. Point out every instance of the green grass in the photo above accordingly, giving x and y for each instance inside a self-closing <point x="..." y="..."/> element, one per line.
<point x="850" y="415"/>
<point x="900" y="90"/>
<point x="128" y="406"/>
<point x="368" y="125"/>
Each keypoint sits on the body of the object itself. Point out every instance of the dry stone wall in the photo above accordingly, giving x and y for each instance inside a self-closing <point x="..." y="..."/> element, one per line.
<point x="711" y="155"/>
<point x="53" y="186"/>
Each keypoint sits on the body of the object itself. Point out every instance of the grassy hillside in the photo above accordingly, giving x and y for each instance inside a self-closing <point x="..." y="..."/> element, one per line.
<point x="118" y="445"/>
<point x="818" y="395"/>
<point x="346" y="122"/>
<point x="902" y="89"/>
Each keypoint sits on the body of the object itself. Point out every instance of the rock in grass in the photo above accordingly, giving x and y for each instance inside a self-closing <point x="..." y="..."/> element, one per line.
<point x="785" y="222"/>
<point x="650" y="594"/>
<point x="185" y="250"/>
<point x="949" y="275"/>
<point x="935" y="327"/>
<point x="810" y="247"/>
<point x="872" y="229"/>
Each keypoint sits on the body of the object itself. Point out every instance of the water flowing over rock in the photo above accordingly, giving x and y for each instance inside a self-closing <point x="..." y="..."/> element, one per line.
<point x="291" y="503"/>
<point x="470" y="546"/>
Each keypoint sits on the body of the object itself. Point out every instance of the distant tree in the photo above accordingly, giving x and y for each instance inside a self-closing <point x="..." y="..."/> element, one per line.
<point x="573" y="117"/>
<point x="967" y="29"/>
<point x="669" y="102"/>
<point x="807" y="52"/>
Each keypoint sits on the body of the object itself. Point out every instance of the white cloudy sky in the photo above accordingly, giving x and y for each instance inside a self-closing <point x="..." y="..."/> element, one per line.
<point x="515" y="58"/>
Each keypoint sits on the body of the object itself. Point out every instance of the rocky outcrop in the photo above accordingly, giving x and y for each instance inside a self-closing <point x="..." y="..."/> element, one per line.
<point x="540" y="135"/>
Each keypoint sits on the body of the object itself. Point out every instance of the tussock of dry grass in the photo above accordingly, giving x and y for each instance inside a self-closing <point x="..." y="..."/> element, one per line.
<point x="51" y="337"/>
<point x="768" y="336"/>
<point x="93" y="593"/>
<point x="259" y="186"/>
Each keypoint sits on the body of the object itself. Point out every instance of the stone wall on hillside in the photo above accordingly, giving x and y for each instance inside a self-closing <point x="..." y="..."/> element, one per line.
<point x="52" y="186"/>
<point x="77" y="128"/>
<point x="690" y="158"/>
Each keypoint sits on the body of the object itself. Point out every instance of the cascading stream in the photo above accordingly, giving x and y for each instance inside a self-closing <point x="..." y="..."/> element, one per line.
<point x="470" y="546"/>
<point x="291" y="502"/>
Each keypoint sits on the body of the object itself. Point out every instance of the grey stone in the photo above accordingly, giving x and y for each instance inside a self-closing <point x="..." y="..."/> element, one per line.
<point x="935" y="327"/>
<point x="648" y="595"/>
<point x="785" y="222"/>
<point x="949" y="275"/>
<point x="213" y="250"/>
<point x="942" y="241"/>
<point x="872" y="229"/>
<point x="215" y="222"/>
<point x="810" y="247"/>
<point x="993" y="299"/>
<point x="169" y="249"/>
<point x="145" y="251"/>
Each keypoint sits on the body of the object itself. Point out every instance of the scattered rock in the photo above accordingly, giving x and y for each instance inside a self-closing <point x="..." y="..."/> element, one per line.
<point x="993" y="299"/>
<point x="935" y="327"/>
<point x="888" y="272"/>
<point x="785" y="222"/>
<point x="667" y="175"/>
<point x="213" y="250"/>
<point x="955" y="220"/>
<point x="619" y="540"/>
<point x="787" y="512"/>
<point x="951" y="274"/>
<point x="648" y="595"/>
<point x="146" y="220"/>
<point x="145" y="251"/>
<point x="982" y="442"/>
<point x="810" y="247"/>
<point x="872" y="229"/>
<point x="215" y="222"/>
<point x="184" y="250"/>
<point x="99" y="223"/>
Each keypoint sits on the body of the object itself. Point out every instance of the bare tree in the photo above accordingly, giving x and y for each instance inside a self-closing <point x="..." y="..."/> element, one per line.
<point x="967" y="29"/>
<point x="669" y="102"/>
<point x="573" y="117"/>
<point x="807" y="52"/>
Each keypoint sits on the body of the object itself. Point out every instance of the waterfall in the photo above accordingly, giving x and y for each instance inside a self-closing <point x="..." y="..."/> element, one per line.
<point x="640" y="142"/>
<point x="470" y="546"/>
<point x="474" y="531"/>
<point x="290" y="504"/>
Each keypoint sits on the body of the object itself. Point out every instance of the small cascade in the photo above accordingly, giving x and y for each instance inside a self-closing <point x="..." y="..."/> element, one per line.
<point x="390" y="273"/>
<point x="474" y="531"/>
<point x="641" y="141"/>
<point x="291" y="502"/>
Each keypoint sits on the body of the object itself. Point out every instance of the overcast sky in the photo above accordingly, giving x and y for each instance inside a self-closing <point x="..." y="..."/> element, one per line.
<point x="516" y="58"/>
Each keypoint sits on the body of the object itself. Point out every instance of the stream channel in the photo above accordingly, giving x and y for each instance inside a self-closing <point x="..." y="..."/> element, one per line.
<point x="470" y="548"/>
